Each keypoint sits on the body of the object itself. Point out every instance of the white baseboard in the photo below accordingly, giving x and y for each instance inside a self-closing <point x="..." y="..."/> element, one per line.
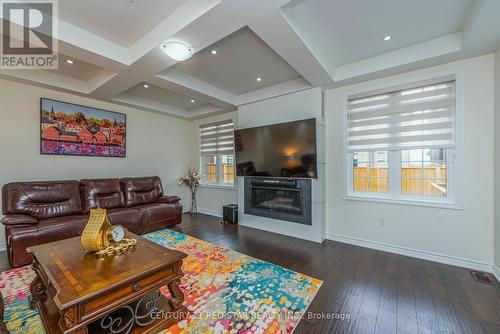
<point x="419" y="254"/>
<point x="3" y="247"/>
<point x="496" y="273"/>
<point x="273" y="228"/>
<point x="210" y="212"/>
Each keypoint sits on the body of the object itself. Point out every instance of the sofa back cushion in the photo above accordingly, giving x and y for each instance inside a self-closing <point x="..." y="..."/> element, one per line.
<point x="102" y="193"/>
<point x="141" y="190"/>
<point x="42" y="200"/>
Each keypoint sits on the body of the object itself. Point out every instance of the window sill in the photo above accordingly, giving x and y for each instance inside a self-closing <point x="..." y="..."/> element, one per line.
<point x="218" y="186"/>
<point x="406" y="201"/>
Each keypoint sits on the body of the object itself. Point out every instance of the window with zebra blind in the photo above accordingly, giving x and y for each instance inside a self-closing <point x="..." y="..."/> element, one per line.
<point x="217" y="153"/>
<point x="401" y="143"/>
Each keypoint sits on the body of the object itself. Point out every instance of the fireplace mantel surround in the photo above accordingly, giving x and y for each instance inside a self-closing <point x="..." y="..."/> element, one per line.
<point x="292" y="107"/>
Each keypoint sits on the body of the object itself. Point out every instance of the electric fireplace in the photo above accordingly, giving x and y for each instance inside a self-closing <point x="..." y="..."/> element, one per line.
<point x="279" y="198"/>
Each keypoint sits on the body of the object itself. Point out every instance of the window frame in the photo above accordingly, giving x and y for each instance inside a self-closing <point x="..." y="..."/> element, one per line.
<point x="454" y="156"/>
<point x="218" y="156"/>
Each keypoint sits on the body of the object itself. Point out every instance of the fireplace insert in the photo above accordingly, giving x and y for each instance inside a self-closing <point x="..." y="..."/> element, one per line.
<point x="278" y="198"/>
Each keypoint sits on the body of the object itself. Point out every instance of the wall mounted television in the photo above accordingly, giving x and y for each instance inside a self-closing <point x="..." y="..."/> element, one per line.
<point x="277" y="150"/>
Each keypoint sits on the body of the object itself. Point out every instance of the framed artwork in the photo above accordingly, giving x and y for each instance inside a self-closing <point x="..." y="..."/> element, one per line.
<point x="72" y="129"/>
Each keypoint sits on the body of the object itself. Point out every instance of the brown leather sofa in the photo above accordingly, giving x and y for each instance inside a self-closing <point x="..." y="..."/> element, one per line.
<point x="40" y="212"/>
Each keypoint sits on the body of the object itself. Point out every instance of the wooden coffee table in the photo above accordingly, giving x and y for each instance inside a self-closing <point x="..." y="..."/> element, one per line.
<point x="77" y="292"/>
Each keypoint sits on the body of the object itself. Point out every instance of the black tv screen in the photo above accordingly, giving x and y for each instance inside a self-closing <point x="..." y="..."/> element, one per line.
<point x="277" y="150"/>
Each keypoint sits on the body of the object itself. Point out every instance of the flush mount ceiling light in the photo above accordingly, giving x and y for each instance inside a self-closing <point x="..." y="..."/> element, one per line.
<point x="146" y="86"/>
<point x="387" y="38"/>
<point x="69" y="61"/>
<point x="177" y="51"/>
<point x="214" y="52"/>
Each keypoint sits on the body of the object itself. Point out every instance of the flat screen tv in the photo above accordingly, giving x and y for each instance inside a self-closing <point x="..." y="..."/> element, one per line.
<point x="277" y="150"/>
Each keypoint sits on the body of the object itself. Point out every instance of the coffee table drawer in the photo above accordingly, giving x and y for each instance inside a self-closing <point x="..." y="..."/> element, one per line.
<point x="119" y="296"/>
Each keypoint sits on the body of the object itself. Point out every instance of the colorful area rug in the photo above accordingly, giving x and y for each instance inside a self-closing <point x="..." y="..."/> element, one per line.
<point x="225" y="292"/>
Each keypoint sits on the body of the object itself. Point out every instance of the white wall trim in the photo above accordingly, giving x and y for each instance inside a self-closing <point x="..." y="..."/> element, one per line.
<point x="415" y="253"/>
<point x="496" y="273"/>
<point x="210" y="212"/>
<point x="411" y="54"/>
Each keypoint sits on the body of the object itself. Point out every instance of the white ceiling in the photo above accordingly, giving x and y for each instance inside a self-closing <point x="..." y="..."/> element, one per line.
<point x="79" y="70"/>
<point x="347" y="31"/>
<point x="241" y="58"/>
<point x="291" y="44"/>
<point x="117" y="20"/>
<point x="165" y="96"/>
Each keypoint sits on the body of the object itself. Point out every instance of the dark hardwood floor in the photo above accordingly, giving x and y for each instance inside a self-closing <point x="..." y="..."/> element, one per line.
<point x="381" y="292"/>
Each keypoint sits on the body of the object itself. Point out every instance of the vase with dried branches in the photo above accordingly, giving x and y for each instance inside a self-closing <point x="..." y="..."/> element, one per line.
<point x="192" y="180"/>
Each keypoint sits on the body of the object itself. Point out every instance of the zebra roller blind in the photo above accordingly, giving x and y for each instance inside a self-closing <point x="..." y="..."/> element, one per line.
<point x="217" y="138"/>
<point x="418" y="117"/>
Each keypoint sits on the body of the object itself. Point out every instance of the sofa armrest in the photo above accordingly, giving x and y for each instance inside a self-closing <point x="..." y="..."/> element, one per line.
<point x="12" y="220"/>
<point x="169" y="199"/>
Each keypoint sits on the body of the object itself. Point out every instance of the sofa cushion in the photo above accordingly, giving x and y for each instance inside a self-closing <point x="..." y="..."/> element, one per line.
<point x="141" y="190"/>
<point x="155" y="216"/>
<point x="42" y="199"/>
<point x="60" y="228"/>
<point x="102" y="193"/>
<point x="130" y="218"/>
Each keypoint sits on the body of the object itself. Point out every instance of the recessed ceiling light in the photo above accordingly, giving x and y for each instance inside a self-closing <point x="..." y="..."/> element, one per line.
<point x="387" y="38"/>
<point x="259" y="79"/>
<point x="146" y="86"/>
<point x="193" y="101"/>
<point x="214" y="52"/>
<point x="177" y="50"/>
<point x="69" y="61"/>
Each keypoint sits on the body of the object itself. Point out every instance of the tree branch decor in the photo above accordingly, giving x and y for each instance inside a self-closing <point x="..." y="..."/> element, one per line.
<point x="192" y="180"/>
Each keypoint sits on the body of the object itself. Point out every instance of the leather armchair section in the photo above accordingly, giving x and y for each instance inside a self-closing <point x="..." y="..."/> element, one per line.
<point x="102" y="193"/>
<point x="130" y="218"/>
<point x="141" y="190"/>
<point x="18" y="239"/>
<point x="155" y="216"/>
<point x="19" y="220"/>
<point x="169" y="199"/>
<point x="42" y="199"/>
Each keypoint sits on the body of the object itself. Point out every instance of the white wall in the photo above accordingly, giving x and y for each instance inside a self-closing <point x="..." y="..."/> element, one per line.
<point x="463" y="237"/>
<point x="497" y="163"/>
<point x="296" y="106"/>
<point x="211" y="199"/>
<point x="156" y="144"/>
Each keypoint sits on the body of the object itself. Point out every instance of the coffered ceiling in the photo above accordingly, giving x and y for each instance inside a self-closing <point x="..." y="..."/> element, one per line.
<point x="290" y="45"/>
<point x="83" y="72"/>
<point x="356" y="31"/>
<point x="166" y="96"/>
<point x="239" y="60"/>
<point x="123" y="22"/>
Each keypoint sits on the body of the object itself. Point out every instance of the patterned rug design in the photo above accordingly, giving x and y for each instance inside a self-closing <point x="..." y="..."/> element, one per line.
<point x="225" y="291"/>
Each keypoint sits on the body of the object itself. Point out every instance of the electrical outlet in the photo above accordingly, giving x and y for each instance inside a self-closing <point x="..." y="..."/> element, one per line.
<point x="382" y="222"/>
